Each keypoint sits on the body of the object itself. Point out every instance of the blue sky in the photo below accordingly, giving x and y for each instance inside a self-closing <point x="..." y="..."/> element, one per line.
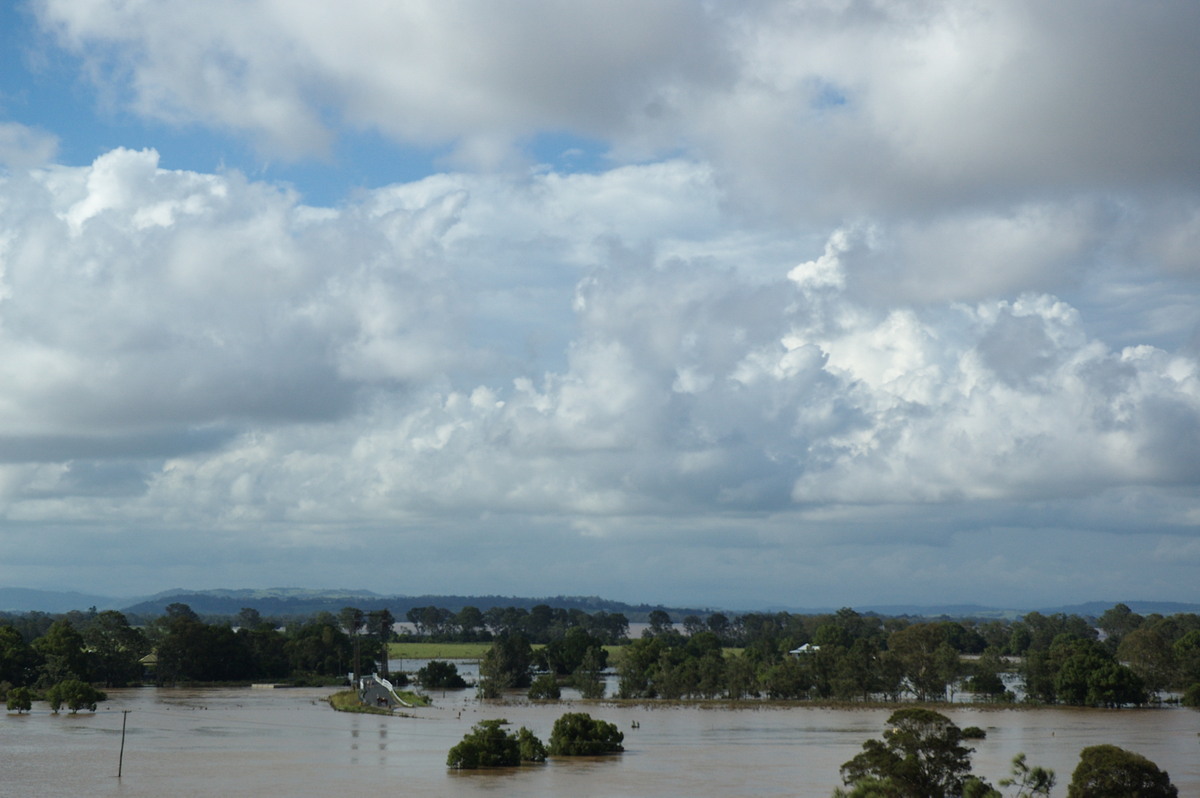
<point x="782" y="303"/>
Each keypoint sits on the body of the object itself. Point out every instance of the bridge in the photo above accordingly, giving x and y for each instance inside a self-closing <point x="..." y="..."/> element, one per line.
<point x="376" y="691"/>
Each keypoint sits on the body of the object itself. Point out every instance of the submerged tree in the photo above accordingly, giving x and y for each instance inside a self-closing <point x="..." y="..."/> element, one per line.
<point x="545" y="687"/>
<point x="439" y="674"/>
<point x="75" y="694"/>
<point x="20" y="699"/>
<point x="579" y="734"/>
<point x="505" y="666"/>
<point x="488" y="745"/>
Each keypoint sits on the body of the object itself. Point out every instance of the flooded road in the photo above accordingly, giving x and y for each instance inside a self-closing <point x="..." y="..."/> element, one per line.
<point x="248" y="742"/>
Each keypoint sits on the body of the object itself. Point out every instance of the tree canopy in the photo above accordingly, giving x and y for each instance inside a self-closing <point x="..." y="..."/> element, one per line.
<point x="1106" y="771"/>
<point x="488" y="745"/>
<point x="920" y="755"/>
<point x="579" y="734"/>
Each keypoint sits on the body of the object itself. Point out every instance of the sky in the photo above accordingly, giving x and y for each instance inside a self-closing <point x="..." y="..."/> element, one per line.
<point x="807" y="304"/>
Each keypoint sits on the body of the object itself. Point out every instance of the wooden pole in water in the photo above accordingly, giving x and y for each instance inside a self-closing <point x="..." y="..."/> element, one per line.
<point x="121" y="758"/>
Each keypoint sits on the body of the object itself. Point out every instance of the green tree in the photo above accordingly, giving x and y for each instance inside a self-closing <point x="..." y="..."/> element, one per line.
<point x="985" y="674"/>
<point x="918" y="647"/>
<point x="488" y="745"/>
<point x="1038" y="676"/>
<point x="114" y="648"/>
<point x="248" y="618"/>
<point x="468" y="620"/>
<point x="1118" y="622"/>
<point x="192" y="650"/>
<point x="566" y="654"/>
<point x="921" y="755"/>
<point x="505" y="666"/>
<point x="319" y="646"/>
<point x="529" y="747"/>
<point x="588" y="678"/>
<point x="380" y="625"/>
<point x="545" y="687"/>
<point x="710" y="674"/>
<point x="1029" y="781"/>
<point x="20" y="699"/>
<point x="1191" y="696"/>
<point x="352" y="620"/>
<point x="856" y="671"/>
<point x="440" y="675"/>
<point x="579" y="734"/>
<point x="1114" y="685"/>
<point x="17" y="659"/>
<point x="1150" y="656"/>
<point x="63" y="652"/>
<point x="76" y="695"/>
<point x="718" y="624"/>
<point x="1075" y="671"/>
<point x="637" y="664"/>
<point x="660" y="623"/>
<point x="789" y="679"/>
<point x="1106" y="771"/>
<point x="741" y="678"/>
<point x="1186" y="651"/>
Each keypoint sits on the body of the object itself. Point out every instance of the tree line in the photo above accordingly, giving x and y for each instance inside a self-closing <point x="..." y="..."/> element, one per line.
<point x="1121" y="658"/>
<point x="38" y="651"/>
<point x="539" y="624"/>
<point x="1124" y="659"/>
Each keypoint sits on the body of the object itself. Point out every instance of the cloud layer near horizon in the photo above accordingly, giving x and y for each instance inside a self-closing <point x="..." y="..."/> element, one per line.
<point x="868" y="298"/>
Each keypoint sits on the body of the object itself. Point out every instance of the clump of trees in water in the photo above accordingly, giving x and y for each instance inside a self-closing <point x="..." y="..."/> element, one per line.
<point x="488" y="744"/>
<point x="922" y="754"/>
<point x="579" y="734"/>
<point x="440" y="675"/>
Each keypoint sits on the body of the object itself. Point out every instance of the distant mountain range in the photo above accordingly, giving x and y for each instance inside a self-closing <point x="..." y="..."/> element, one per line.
<point x="299" y="601"/>
<point x="283" y="602"/>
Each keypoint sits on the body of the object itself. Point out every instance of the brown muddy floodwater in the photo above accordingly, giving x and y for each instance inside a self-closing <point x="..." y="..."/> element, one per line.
<point x="255" y="743"/>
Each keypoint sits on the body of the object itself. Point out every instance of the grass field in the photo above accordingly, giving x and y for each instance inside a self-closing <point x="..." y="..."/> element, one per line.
<point x="437" y="650"/>
<point x="452" y="650"/>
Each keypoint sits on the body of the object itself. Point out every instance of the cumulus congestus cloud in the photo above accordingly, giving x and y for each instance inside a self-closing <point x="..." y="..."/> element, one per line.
<point x="716" y="300"/>
<point x="325" y="358"/>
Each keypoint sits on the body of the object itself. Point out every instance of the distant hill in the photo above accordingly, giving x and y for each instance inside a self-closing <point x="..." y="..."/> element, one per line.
<point x="1094" y="609"/>
<point x="284" y="602"/>
<point x="291" y="601"/>
<point x="1091" y="609"/>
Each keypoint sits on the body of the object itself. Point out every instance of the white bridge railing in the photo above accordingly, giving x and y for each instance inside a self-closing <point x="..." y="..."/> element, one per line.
<point x="365" y="682"/>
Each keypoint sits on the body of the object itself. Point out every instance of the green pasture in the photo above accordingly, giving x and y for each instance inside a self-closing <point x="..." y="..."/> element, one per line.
<point x="453" y="650"/>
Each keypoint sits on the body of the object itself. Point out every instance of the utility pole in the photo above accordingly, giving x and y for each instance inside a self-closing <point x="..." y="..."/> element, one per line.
<point x="121" y="758"/>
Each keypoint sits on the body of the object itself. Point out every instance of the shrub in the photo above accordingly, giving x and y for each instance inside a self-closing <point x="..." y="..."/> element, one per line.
<point x="438" y="674"/>
<point x="545" y="687"/>
<point x="974" y="733"/>
<point x="20" y="699"/>
<point x="579" y="734"/>
<point x="76" y="695"/>
<point x="487" y="745"/>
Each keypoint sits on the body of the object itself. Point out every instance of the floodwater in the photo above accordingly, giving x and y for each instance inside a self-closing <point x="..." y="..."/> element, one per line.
<point x="288" y="742"/>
